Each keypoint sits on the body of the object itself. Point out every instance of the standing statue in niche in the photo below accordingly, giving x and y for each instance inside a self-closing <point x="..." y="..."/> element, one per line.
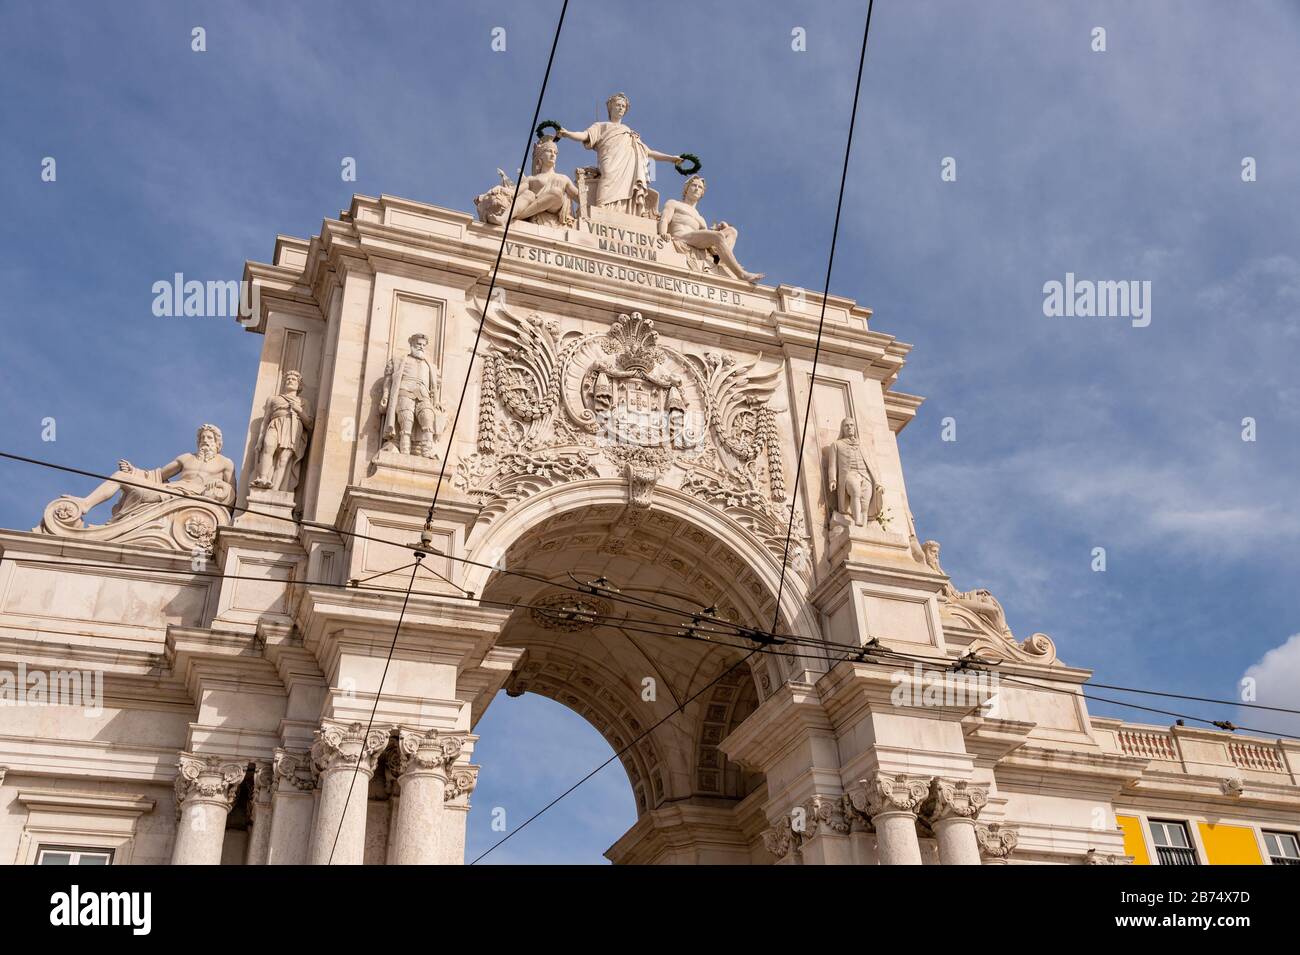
<point x="682" y="223"/>
<point x="623" y="160"/>
<point x="286" y="428"/>
<point x="206" y="473"/>
<point x="410" y="402"/>
<point x="854" y="489"/>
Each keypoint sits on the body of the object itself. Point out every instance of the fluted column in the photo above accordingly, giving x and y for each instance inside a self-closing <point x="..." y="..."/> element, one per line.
<point x="259" y="837"/>
<point x="205" y="790"/>
<point x="996" y="842"/>
<point x="951" y="810"/>
<point x="292" y="802"/>
<point x="423" y="762"/>
<point x="892" y="802"/>
<point x="344" y="758"/>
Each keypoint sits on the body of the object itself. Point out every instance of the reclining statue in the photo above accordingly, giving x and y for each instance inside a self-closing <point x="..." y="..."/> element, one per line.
<point x="205" y="474"/>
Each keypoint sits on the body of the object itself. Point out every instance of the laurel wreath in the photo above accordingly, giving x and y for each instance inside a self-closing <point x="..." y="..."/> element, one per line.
<point x="688" y="157"/>
<point x="548" y="124"/>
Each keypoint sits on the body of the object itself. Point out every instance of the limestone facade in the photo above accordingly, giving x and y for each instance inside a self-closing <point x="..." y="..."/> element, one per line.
<point x="632" y="413"/>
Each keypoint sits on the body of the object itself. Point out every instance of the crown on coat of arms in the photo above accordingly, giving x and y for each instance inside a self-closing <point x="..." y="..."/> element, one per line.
<point x="637" y="343"/>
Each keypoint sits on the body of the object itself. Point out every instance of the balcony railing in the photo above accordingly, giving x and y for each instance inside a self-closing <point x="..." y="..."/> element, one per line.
<point x="1284" y="860"/>
<point x="1170" y="855"/>
<point x="1147" y="745"/>
<point x="1254" y="756"/>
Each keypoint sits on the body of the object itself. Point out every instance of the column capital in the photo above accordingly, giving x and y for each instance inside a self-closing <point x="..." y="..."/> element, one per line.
<point x="207" y="779"/>
<point x="338" y="746"/>
<point x="781" y="840"/>
<point x="263" y="781"/>
<point x="825" y="815"/>
<point x="461" y="783"/>
<point x="890" y="792"/>
<point x="954" y="799"/>
<point x="426" y="752"/>
<point x="996" y="841"/>
<point x="292" y="771"/>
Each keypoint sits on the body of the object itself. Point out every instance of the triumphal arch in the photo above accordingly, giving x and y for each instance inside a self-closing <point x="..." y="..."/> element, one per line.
<point x="624" y="525"/>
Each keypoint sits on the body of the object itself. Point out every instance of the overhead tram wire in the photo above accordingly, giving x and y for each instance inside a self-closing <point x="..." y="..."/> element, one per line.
<point x="585" y="589"/>
<point x="671" y="632"/>
<point x="426" y="537"/>
<point x="776" y="612"/>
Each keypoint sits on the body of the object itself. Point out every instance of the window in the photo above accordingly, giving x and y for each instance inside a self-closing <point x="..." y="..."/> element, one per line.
<point x="66" y="855"/>
<point x="1173" y="847"/>
<point x="1283" y="848"/>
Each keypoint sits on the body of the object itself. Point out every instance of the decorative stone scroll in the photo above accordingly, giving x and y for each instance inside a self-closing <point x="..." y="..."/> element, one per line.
<point x="178" y="506"/>
<point x="558" y="406"/>
<point x="983" y="612"/>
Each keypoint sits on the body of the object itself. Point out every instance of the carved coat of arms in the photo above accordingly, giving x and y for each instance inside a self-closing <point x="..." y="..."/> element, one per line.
<point x="560" y="405"/>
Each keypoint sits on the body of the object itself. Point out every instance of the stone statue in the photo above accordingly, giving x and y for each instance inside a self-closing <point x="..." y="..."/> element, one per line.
<point x="682" y="223"/>
<point x="206" y="473"/>
<point x="854" y="489"/>
<point x="980" y="602"/>
<point x="286" y="428"/>
<point x="410" y="401"/>
<point x="545" y="197"/>
<point x="623" y="160"/>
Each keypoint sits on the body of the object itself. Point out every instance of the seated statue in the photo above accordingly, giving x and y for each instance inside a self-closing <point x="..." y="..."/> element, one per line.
<point x="682" y="223"/>
<point x="980" y="602"/>
<point x="545" y="197"/>
<point x="206" y="474"/>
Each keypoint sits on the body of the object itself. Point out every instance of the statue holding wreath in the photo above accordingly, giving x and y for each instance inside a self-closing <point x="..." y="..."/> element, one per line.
<point x="623" y="160"/>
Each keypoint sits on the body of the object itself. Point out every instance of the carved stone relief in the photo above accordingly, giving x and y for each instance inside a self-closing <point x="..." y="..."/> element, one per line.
<point x="557" y="406"/>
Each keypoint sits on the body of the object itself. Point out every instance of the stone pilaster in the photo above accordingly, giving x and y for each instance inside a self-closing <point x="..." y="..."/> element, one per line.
<point x="996" y="842"/>
<point x="422" y="766"/>
<point x="951" y="810"/>
<point x="343" y="757"/>
<point x="892" y="803"/>
<point x="292" y="804"/>
<point x="205" y="790"/>
<point x="259" y="837"/>
<point x="862" y="842"/>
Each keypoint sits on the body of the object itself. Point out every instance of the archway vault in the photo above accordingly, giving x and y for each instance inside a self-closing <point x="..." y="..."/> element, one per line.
<point x="611" y="661"/>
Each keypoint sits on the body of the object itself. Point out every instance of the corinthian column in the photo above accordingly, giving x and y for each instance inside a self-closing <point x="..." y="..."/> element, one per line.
<point x="892" y="802"/>
<point x="344" y="757"/>
<point x="423" y="762"/>
<point x="205" y="790"/>
<point x="951" y="811"/>
<point x="292" y="803"/>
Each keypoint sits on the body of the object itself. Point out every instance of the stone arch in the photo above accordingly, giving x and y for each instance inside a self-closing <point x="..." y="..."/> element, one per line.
<point x="686" y="553"/>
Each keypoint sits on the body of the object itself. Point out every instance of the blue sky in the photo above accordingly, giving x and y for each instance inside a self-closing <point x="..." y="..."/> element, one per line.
<point x="1072" y="433"/>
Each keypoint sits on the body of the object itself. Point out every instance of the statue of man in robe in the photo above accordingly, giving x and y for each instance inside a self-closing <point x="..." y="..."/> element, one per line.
<point x="623" y="160"/>
<point x="856" y="492"/>
<point x="286" y="427"/>
<point x="206" y="473"/>
<point x="410" y="399"/>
